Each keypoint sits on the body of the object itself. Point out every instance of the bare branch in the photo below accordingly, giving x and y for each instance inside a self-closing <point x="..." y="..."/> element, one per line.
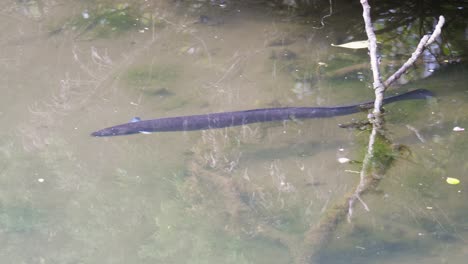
<point x="423" y="43"/>
<point x="366" y="178"/>
<point x="409" y="62"/>
<point x="372" y="44"/>
<point x="437" y="30"/>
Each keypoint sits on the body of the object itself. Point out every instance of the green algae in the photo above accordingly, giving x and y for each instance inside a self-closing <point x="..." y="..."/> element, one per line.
<point x="160" y="75"/>
<point x="109" y="20"/>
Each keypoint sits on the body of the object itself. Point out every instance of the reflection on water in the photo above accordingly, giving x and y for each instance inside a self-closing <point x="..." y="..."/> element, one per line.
<point x="251" y="194"/>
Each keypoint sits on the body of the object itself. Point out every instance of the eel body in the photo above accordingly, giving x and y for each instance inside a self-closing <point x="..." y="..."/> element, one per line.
<point x="237" y="118"/>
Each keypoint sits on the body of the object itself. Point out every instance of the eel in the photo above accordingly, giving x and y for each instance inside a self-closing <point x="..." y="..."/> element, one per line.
<point x="237" y="118"/>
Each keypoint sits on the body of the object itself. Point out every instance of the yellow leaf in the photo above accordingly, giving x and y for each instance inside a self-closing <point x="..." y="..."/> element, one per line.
<point x="453" y="180"/>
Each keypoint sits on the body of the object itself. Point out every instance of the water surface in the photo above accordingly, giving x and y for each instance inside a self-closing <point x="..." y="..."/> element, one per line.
<point x="248" y="194"/>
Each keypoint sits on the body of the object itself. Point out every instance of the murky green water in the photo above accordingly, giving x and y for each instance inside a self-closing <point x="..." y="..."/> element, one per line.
<point x="251" y="194"/>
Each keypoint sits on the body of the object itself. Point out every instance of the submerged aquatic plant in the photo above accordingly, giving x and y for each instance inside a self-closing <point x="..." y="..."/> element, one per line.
<point x="108" y="20"/>
<point x="151" y="75"/>
<point x="155" y="80"/>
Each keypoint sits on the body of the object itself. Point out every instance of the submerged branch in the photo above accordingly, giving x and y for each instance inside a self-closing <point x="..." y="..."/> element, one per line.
<point x="376" y="119"/>
<point x="375" y="162"/>
<point x="368" y="167"/>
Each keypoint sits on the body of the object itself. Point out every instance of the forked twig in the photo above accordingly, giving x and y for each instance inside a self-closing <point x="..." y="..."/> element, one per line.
<point x="318" y="236"/>
<point x="423" y="43"/>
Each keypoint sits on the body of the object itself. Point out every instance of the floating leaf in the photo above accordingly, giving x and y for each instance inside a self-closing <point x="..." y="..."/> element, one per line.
<point x="344" y="160"/>
<point x="453" y="181"/>
<point x="361" y="44"/>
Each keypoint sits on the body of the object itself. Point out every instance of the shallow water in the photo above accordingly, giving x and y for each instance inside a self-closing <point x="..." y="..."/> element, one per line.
<point x="250" y="194"/>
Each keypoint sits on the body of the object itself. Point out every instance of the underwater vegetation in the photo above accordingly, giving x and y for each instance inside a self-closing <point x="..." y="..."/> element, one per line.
<point x="156" y="80"/>
<point x="143" y="76"/>
<point x="107" y="20"/>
